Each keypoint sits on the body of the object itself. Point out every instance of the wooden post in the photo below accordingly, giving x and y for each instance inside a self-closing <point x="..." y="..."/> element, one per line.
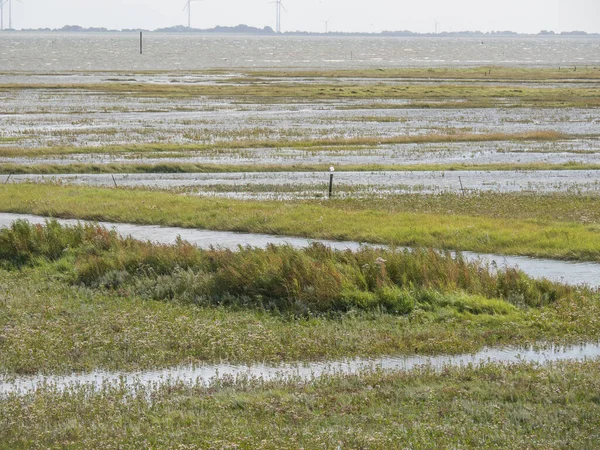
<point x="331" y="170"/>
<point x="114" y="181"/>
<point x="9" y="175"/>
<point x="141" y="43"/>
<point x="461" y="186"/>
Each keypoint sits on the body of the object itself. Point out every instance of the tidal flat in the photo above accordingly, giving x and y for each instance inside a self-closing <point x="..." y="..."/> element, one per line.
<point x="496" y="159"/>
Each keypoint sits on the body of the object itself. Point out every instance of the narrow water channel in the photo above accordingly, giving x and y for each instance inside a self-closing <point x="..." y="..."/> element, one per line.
<point x="574" y="273"/>
<point x="206" y="374"/>
<point x="388" y="181"/>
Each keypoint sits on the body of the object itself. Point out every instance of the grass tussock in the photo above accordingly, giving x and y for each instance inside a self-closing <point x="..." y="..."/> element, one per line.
<point x="313" y="280"/>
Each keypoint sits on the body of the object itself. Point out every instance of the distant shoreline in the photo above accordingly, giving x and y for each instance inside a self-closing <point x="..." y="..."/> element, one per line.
<point x="268" y="31"/>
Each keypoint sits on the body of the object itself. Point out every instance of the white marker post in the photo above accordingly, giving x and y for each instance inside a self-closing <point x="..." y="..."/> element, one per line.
<point x="331" y="170"/>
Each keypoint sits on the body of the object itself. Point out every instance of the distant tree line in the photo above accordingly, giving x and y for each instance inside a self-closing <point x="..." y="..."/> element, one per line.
<point x="268" y="31"/>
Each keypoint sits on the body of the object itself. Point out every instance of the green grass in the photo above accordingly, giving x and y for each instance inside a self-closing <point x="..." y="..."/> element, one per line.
<point x="4" y="140"/>
<point x="49" y="326"/>
<point x="163" y="168"/>
<point x="512" y="407"/>
<point x="426" y="224"/>
<point x="84" y="300"/>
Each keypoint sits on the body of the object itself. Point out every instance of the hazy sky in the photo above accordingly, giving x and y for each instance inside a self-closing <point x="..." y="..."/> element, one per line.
<point x="529" y="16"/>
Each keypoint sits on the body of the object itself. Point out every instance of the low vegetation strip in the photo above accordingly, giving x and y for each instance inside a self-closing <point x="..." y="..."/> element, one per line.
<point x="509" y="407"/>
<point x="339" y="220"/>
<point x="485" y="73"/>
<point x="480" y="94"/>
<point x="312" y="144"/>
<point x="174" y="167"/>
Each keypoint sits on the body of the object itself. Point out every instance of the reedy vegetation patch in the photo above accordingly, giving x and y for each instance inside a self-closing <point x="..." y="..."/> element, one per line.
<point x="49" y="325"/>
<point x="317" y="279"/>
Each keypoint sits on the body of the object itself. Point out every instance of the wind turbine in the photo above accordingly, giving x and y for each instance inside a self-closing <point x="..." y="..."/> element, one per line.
<point x="326" y="22"/>
<point x="9" y="13"/>
<point x="2" y="2"/>
<point x="188" y="6"/>
<point x="278" y="6"/>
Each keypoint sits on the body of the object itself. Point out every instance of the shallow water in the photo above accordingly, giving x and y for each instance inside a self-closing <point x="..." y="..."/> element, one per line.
<point x="47" y="118"/>
<point x="206" y="374"/>
<point x="584" y="151"/>
<point x="395" y="182"/>
<point x="573" y="273"/>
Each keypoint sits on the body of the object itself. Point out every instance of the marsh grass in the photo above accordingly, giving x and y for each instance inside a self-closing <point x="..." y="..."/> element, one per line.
<point x="81" y="298"/>
<point x="495" y="406"/>
<point x="484" y="73"/>
<point x="174" y="167"/>
<point x="556" y="226"/>
<point x="51" y="326"/>
<point x="342" y="144"/>
<point x="314" y="280"/>
<point x="477" y="94"/>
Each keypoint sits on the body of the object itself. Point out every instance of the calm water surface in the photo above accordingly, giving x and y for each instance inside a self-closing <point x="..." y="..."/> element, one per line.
<point x="374" y="182"/>
<point x="205" y="374"/>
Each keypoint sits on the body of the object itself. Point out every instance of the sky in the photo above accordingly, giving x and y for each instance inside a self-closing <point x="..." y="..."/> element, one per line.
<point x="524" y="16"/>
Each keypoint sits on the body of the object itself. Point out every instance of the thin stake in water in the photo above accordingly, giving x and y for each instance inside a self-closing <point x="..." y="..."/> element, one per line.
<point x="114" y="181"/>
<point x="461" y="186"/>
<point x="331" y="170"/>
<point x="7" y="180"/>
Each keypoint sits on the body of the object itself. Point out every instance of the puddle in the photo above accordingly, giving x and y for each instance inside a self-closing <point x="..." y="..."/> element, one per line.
<point x="573" y="273"/>
<point x="206" y="374"/>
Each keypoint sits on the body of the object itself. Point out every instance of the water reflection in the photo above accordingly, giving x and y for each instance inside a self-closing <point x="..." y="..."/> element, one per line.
<point x="306" y="372"/>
